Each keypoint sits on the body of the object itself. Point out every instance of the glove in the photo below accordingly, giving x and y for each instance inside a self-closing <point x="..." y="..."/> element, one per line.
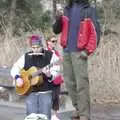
<point x="19" y="82"/>
<point x="84" y="55"/>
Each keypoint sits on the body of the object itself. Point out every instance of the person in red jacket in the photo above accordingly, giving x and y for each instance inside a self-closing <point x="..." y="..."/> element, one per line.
<point x="51" y="43"/>
<point x="79" y="36"/>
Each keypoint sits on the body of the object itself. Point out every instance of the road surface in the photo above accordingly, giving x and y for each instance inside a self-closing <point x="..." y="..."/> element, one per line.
<point x="12" y="111"/>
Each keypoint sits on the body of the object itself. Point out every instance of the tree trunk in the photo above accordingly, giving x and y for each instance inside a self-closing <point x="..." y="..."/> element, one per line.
<point x="54" y="8"/>
<point x="11" y="19"/>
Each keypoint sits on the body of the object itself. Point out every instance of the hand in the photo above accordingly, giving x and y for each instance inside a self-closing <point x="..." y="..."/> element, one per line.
<point x="46" y="71"/>
<point x="19" y="82"/>
<point x="60" y="12"/>
<point x="84" y="55"/>
<point x="59" y="9"/>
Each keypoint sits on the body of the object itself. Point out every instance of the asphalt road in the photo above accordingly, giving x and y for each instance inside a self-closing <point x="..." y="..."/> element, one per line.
<point x="99" y="112"/>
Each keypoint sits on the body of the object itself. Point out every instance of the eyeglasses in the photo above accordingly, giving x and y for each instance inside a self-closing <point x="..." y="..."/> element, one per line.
<point x="54" y="41"/>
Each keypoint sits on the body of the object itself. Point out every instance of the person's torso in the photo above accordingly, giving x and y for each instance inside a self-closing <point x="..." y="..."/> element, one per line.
<point x="75" y="14"/>
<point x="39" y="61"/>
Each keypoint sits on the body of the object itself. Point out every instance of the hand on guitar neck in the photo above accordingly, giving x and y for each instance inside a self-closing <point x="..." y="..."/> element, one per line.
<point x="46" y="71"/>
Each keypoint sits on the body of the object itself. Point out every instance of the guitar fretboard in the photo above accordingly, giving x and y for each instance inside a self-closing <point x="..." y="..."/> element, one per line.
<point x="46" y="67"/>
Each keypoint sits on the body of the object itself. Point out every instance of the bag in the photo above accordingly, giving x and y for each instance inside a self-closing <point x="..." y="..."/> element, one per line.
<point x="58" y="80"/>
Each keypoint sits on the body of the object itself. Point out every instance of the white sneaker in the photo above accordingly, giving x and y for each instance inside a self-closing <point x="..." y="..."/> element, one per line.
<point x="54" y="117"/>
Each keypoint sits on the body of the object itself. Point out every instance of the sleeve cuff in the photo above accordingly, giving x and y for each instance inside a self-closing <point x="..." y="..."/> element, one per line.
<point x="17" y="76"/>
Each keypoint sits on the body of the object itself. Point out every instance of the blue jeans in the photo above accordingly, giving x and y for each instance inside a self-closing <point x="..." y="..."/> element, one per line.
<point x="39" y="102"/>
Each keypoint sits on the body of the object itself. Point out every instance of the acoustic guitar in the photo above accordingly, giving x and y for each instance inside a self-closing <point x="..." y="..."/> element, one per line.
<point x="31" y="77"/>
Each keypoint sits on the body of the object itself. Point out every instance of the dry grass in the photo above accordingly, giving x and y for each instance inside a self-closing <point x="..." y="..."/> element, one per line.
<point x="104" y="71"/>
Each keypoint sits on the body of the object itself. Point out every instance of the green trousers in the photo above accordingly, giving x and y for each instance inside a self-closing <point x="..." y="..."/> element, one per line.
<point x="76" y="81"/>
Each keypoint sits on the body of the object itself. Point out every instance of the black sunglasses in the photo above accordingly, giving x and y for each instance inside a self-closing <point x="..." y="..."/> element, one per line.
<point x="53" y="41"/>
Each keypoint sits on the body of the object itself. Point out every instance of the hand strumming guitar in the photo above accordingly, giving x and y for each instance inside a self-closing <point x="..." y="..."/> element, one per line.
<point x="19" y="82"/>
<point x="46" y="71"/>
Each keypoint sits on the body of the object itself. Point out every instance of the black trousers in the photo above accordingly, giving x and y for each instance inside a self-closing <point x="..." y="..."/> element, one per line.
<point x="55" y="97"/>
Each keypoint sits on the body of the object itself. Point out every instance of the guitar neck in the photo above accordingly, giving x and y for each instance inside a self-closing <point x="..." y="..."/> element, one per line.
<point x="48" y="66"/>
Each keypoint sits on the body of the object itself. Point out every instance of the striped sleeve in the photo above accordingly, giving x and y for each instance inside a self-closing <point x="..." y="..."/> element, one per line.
<point x="55" y="69"/>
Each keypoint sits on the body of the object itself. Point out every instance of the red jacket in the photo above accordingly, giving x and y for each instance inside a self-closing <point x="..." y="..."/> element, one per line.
<point x="87" y="38"/>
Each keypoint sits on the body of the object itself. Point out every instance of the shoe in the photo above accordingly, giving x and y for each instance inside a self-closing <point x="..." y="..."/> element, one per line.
<point x="75" y="118"/>
<point x="83" y="118"/>
<point x="54" y="117"/>
<point x="74" y="115"/>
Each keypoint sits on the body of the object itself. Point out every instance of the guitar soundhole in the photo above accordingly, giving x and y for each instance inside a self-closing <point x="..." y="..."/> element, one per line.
<point x="30" y="77"/>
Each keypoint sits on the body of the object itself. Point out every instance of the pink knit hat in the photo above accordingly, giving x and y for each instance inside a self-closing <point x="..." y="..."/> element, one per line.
<point x="35" y="40"/>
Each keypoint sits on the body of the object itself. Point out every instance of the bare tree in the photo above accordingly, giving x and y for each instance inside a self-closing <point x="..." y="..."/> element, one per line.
<point x="11" y="19"/>
<point x="54" y="7"/>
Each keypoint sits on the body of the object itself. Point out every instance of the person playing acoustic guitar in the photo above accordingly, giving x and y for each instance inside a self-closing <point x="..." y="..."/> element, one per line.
<point x="39" y="97"/>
